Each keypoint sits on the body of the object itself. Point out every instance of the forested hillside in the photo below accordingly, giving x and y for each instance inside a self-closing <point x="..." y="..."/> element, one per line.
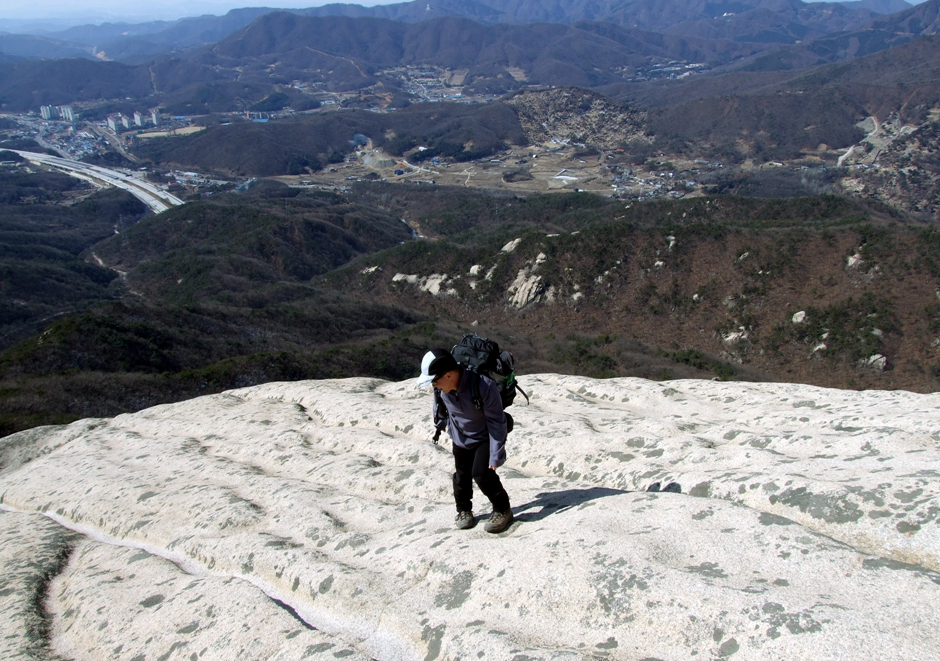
<point x="764" y="172"/>
<point x="277" y="284"/>
<point x="47" y="222"/>
<point x="293" y="146"/>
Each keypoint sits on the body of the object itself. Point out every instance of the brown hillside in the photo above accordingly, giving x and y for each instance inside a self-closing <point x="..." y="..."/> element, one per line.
<point x="577" y="115"/>
<point x="694" y="286"/>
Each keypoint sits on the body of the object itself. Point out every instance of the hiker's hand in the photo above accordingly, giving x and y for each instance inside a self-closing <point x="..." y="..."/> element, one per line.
<point x="492" y="468"/>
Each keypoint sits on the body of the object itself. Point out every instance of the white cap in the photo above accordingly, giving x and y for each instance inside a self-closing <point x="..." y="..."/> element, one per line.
<point x="425" y="379"/>
<point x="435" y="363"/>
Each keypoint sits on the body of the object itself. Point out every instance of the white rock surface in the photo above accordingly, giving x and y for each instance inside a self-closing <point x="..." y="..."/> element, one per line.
<point x="527" y="288"/>
<point x="511" y="246"/>
<point x="433" y="284"/>
<point x="314" y="520"/>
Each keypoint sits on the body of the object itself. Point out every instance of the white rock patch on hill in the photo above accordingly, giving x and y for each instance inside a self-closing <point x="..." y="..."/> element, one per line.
<point x="527" y="287"/>
<point x="434" y="284"/>
<point x="314" y="520"/>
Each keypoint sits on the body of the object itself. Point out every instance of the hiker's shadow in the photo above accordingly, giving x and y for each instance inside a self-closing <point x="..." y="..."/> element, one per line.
<point x="553" y="502"/>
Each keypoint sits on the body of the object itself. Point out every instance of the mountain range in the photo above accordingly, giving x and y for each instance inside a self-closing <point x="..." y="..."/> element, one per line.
<point x="211" y="442"/>
<point x="761" y="21"/>
<point x="871" y="76"/>
<point x="233" y="62"/>
<point x="262" y="49"/>
<point x="279" y="283"/>
<point x="276" y="282"/>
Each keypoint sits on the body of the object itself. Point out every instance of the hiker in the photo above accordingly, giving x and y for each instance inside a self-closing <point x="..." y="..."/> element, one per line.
<point x="478" y="432"/>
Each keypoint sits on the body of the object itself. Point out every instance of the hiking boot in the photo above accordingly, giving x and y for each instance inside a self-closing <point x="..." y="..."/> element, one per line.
<point x="499" y="521"/>
<point x="464" y="520"/>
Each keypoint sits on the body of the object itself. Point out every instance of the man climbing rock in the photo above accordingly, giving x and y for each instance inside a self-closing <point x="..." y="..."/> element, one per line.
<point x="471" y="405"/>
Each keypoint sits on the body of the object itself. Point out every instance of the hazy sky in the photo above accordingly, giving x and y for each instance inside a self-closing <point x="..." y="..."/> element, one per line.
<point x="135" y="10"/>
<point x="116" y="10"/>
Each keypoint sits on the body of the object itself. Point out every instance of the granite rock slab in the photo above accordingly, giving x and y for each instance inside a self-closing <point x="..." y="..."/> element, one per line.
<point x="314" y="520"/>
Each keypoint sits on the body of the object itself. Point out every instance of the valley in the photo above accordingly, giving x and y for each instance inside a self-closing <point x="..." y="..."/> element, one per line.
<point x="554" y="167"/>
<point x="707" y="232"/>
<point x="692" y="196"/>
<point x="279" y="283"/>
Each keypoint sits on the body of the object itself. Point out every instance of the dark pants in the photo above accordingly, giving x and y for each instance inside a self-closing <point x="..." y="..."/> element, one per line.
<point x="474" y="466"/>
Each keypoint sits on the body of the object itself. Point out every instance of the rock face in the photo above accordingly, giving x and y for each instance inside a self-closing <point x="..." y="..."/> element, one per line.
<point x="314" y="520"/>
<point x="527" y="287"/>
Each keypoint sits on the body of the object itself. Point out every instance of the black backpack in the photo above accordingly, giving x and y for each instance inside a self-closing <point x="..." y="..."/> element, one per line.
<point x="480" y="355"/>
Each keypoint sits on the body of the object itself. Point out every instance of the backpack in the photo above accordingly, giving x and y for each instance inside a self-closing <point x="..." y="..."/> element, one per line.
<point x="481" y="356"/>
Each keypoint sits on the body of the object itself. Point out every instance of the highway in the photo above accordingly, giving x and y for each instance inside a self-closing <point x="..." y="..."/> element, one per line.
<point x="148" y="193"/>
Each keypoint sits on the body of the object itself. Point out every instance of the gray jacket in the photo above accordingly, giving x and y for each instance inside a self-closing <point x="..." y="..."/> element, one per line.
<point x="468" y="426"/>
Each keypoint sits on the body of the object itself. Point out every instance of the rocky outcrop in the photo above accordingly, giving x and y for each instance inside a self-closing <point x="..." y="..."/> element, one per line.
<point x="435" y="284"/>
<point x="314" y="520"/>
<point x="527" y="288"/>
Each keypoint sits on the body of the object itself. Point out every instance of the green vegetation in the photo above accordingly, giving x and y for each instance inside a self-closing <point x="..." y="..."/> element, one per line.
<point x="928" y="250"/>
<point x="586" y="355"/>
<point x="30" y="400"/>
<point x="853" y="329"/>
<point x="695" y="358"/>
<point x="47" y="222"/>
<point x="278" y="283"/>
<point x="225" y="287"/>
<point x="307" y="142"/>
<point x="272" y="103"/>
<point x="106" y="308"/>
<point x="226" y="247"/>
<point x="773" y="127"/>
<point x="606" y="356"/>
